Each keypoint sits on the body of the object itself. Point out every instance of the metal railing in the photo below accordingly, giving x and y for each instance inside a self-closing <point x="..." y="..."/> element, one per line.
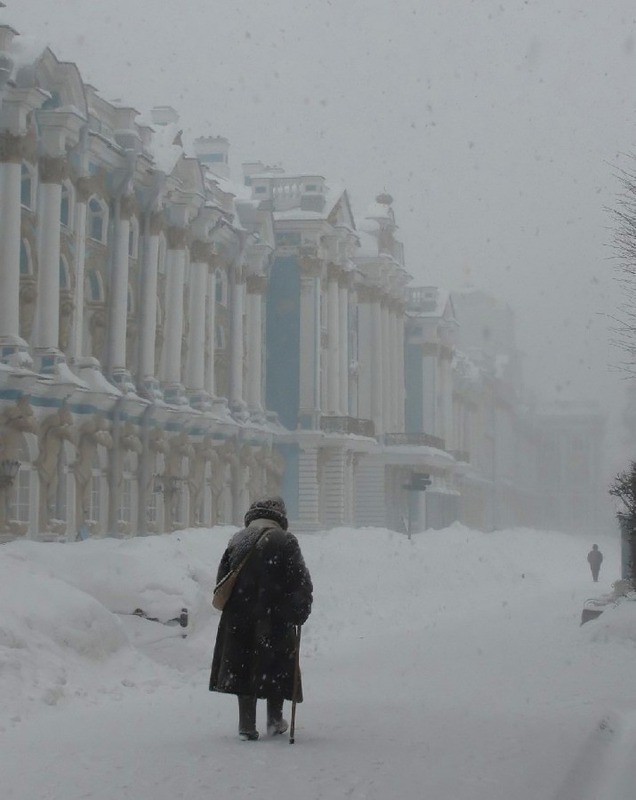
<point x="415" y="438"/>
<point x="348" y="425"/>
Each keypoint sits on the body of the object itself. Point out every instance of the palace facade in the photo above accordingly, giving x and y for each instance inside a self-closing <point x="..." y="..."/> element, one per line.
<point x="174" y="344"/>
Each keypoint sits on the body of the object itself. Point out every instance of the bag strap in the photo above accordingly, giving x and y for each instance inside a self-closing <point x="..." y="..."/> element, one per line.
<point x="235" y="570"/>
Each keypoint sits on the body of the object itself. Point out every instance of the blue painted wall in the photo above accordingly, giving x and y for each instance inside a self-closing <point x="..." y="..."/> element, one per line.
<point x="413" y="380"/>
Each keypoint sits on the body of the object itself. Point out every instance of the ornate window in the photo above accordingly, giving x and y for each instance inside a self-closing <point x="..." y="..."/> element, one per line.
<point x="133" y="238"/>
<point x="97" y="219"/>
<point x="65" y="280"/>
<point x="219" y="338"/>
<point x="94" y="287"/>
<point x="27" y="187"/>
<point x="66" y="206"/>
<point x="26" y="264"/>
<point x="221" y="288"/>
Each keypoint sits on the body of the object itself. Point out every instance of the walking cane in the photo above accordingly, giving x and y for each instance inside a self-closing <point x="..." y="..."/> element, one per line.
<point x="295" y="688"/>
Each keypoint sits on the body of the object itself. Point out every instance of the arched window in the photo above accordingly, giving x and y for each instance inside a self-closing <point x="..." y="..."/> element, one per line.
<point x="219" y="338"/>
<point x="97" y="219"/>
<point x="221" y="288"/>
<point x="94" y="288"/>
<point x="161" y="262"/>
<point x="66" y="205"/>
<point x="26" y="265"/>
<point x="26" y="187"/>
<point x="65" y="280"/>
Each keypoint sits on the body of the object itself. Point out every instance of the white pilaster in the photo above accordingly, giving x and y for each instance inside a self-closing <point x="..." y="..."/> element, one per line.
<point x="309" y="388"/>
<point x="76" y="344"/>
<point x="175" y="271"/>
<point x="119" y="288"/>
<point x="386" y="368"/>
<point x="255" y="289"/>
<point x="210" y="382"/>
<point x="343" y="301"/>
<point x="195" y="379"/>
<point x="10" y="174"/>
<point x="377" y="360"/>
<point x="237" y="341"/>
<point x="148" y="300"/>
<point x="47" y="313"/>
<point x="395" y="360"/>
<point x="333" y="333"/>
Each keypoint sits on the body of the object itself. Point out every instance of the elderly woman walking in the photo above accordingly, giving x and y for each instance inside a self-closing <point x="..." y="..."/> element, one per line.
<point x="255" y="651"/>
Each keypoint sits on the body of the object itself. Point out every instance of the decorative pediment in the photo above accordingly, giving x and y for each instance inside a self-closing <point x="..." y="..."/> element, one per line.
<point x="62" y="80"/>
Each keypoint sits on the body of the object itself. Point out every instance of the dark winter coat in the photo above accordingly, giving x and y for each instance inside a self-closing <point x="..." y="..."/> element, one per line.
<point x="254" y="652"/>
<point x="595" y="558"/>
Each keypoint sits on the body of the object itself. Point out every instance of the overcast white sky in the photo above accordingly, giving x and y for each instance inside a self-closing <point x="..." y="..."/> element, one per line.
<point x="496" y="126"/>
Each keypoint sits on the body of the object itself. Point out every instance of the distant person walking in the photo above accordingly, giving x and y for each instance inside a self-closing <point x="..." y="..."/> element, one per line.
<point x="595" y="559"/>
<point x="255" y="652"/>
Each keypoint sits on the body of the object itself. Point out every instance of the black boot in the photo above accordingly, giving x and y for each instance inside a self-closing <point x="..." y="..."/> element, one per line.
<point x="275" y="722"/>
<point x="247" y="718"/>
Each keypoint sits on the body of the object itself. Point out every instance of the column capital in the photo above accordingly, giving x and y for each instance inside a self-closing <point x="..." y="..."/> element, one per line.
<point x="310" y="267"/>
<point x="200" y="251"/>
<point x="333" y="271"/>
<point x="53" y="169"/>
<point x="256" y="284"/>
<point x="156" y="222"/>
<point x="83" y="188"/>
<point x="176" y="237"/>
<point x="12" y="147"/>
<point x="127" y="206"/>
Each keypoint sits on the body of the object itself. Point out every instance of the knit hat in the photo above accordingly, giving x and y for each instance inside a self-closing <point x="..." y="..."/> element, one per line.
<point x="268" y="508"/>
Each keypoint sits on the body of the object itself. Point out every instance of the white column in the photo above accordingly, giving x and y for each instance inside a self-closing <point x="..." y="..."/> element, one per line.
<point x="10" y="177"/>
<point x="47" y="313"/>
<point x="195" y="379"/>
<point x="386" y="368"/>
<point x="333" y="359"/>
<point x="77" y="334"/>
<point x="119" y="287"/>
<point x="395" y="377"/>
<point x="210" y="383"/>
<point x="15" y="108"/>
<point x="400" y="359"/>
<point x="343" y="300"/>
<point x="366" y="373"/>
<point x="148" y="297"/>
<point x="309" y="388"/>
<point x="236" y="339"/>
<point x="175" y="272"/>
<point x="255" y="290"/>
<point x="377" y="361"/>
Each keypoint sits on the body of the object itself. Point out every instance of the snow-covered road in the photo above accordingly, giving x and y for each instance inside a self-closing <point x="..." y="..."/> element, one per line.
<point x="469" y="681"/>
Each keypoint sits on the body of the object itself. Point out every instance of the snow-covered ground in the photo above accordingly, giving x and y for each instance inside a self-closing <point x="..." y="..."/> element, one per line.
<point x="448" y="667"/>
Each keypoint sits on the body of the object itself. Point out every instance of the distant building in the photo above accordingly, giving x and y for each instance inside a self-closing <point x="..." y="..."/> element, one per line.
<point x="174" y="344"/>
